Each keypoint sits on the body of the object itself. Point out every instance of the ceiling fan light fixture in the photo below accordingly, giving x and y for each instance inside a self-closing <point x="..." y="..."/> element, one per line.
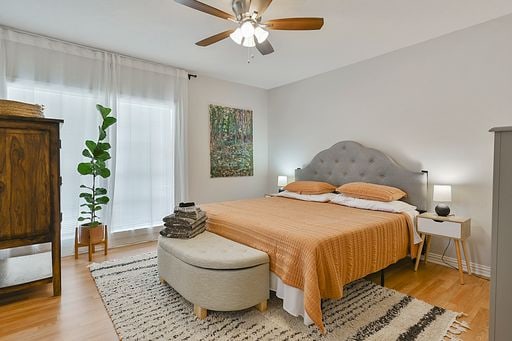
<point x="249" y="42"/>
<point x="252" y="31"/>
<point x="237" y="36"/>
<point x="247" y="29"/>
<point x="260" y="34"/>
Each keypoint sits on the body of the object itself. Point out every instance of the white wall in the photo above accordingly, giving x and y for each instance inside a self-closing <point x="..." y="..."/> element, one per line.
<point x="204" y="91"/>
<point x="429" y="106"/>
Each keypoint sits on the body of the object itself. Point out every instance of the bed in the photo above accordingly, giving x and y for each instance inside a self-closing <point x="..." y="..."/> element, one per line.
<point x="317" y="248"/>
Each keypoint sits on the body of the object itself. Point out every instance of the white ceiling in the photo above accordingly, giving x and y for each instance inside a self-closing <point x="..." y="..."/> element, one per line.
<point x="164" y="31"/>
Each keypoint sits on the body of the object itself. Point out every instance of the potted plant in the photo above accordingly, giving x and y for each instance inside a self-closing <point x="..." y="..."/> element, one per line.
<point x="94" y="196"/>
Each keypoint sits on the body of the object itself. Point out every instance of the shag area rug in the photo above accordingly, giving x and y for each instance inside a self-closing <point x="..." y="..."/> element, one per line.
<point x="143" y="309"/>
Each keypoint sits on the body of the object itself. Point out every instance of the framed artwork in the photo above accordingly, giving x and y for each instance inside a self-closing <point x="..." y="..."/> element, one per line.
<point x="231" y="142"/>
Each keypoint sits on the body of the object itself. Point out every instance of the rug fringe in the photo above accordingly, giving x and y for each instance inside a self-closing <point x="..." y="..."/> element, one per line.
<point x="149" y="254"/>
<point x="456" y="328"/>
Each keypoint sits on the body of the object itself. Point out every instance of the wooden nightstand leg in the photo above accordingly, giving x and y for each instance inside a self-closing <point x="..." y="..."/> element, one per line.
<point x="418" y="256"/>
<point x="459" y="260"/>
<point x="466" y="256"/>
<point x="427" y="250"/>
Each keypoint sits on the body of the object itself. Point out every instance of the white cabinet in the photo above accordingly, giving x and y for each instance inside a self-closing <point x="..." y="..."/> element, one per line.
<point x="500" y="327"/>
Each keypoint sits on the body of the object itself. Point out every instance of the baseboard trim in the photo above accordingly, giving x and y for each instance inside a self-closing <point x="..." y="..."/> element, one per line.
<point x="478" y="269"/>
<point x="117" y="239"/>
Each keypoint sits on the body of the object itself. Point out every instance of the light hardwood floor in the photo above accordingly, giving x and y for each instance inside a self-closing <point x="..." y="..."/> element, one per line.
<point x="79" y="313"/>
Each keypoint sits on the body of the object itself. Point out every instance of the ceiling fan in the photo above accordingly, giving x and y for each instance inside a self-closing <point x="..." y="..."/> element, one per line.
<point x="251" y="32"/>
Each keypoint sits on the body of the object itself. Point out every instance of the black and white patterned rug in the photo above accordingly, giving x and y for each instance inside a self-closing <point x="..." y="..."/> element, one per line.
<point x="143" y="309"/>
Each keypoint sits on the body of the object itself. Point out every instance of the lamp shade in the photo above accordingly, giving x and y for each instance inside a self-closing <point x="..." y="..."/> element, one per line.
<point x="260" y="34"/>
<point x="249" y="42"/>
<point x="442" y="193"/>
<point x="237" y="36"/>
<point x="282" y="180"/>
<point x="247" y="29"/>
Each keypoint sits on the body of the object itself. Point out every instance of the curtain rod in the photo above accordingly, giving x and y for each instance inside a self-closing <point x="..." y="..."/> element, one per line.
<point x="95" y="49"/>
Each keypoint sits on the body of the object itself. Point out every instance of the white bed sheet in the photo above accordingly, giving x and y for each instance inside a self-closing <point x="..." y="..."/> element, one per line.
<point x="293" y="298"/>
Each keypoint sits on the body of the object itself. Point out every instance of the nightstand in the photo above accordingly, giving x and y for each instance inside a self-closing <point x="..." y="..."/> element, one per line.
<point x="456" y="228"/>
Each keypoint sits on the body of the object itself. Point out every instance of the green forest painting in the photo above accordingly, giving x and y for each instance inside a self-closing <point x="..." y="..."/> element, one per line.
<point x="231" y="149"/>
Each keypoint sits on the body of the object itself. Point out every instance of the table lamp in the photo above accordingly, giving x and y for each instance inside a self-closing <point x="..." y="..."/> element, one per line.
<point x="442" y="194"/>
<point x="282" y="180"/>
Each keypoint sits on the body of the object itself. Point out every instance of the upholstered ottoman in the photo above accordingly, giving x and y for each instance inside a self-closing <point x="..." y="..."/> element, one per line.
<point x="214" y="273"/>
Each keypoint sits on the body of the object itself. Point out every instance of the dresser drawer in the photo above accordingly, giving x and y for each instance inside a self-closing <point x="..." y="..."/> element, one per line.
<point x="443" y="228"/>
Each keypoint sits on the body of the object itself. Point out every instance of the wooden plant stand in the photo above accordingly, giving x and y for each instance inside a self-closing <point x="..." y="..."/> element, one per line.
<point x="90" y="245"/>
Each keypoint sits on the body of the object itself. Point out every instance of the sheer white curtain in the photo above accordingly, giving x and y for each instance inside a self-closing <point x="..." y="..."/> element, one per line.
<point x="68" y="82"/>
<point x="3" y="80"/>
<point x="144" y="166"/>
<point x="180" y="137"/>
<point x="149" y="100"/>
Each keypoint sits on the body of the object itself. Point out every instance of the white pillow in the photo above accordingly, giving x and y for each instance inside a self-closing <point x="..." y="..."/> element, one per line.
<point x="326" y="197"/>
<point x="391" y="206"/>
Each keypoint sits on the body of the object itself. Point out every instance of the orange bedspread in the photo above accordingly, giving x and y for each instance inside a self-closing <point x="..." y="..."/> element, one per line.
<point x="316" y="247"/>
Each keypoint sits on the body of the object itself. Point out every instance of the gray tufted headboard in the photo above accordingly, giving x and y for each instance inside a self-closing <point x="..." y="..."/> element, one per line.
<point x="349" y="161"/>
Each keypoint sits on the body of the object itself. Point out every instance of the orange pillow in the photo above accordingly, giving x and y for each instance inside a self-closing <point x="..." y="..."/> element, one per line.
<point x="364" y="190"/>
<point x="310" y="187"/>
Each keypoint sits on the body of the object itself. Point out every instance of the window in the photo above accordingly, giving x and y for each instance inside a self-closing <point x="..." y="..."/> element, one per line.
<point x="143" y="162"/>
<point x="144" y="165"/>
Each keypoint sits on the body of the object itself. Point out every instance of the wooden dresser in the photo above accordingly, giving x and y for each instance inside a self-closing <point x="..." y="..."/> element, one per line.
<point x="30" y="200"/>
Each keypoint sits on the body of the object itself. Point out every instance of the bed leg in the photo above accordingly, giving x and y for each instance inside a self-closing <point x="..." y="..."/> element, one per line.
<point x="382" y="277"/>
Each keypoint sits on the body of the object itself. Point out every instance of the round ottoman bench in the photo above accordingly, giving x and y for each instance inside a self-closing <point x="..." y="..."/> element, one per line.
<point x="214" y="273"/>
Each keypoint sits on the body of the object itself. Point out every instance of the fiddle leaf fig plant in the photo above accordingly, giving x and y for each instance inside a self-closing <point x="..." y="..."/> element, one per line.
<point x="97" y="154"/>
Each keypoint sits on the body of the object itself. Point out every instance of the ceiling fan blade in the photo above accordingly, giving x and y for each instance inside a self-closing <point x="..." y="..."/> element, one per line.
<point x="214" y="39"/>
<point x="260" y="6"/>
<point x="265" y="47"/>
<point x="197" y="5"/>
<point x="295" y="24"/>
